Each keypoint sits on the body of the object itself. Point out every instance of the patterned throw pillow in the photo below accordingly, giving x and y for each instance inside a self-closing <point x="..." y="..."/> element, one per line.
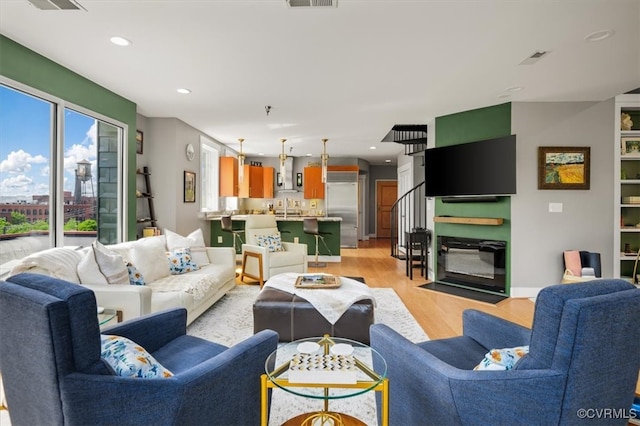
<point x="194" y="241"/>
<point x="502" y="359"/>
<point x="135" y="276"/>
<point x="181" y="262"/>
<point x="128" y="359"/>
<point x="271" y="242"/>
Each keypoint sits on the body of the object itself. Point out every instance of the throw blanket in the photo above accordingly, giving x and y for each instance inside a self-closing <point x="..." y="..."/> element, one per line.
<point x="192" y="283"/>
<point x="331" y="303"/>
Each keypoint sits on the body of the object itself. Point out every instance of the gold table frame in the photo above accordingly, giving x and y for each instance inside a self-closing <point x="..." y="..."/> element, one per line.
<point x="267" y="383"/>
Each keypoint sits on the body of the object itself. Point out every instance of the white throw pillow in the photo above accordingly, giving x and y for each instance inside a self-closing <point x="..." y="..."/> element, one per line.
<point x="99" y="265"/>
<point x="58" y="262"/>
<point x="149" y="256"/>
<point x="194" y="241"/>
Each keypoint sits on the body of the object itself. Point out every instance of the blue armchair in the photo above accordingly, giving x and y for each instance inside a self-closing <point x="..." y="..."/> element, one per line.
<point x="584" y="353"/>
<point x="53" y="373"/>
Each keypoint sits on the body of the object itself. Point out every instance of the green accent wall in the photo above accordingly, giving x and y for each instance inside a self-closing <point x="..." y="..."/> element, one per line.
<point x="34" y="70"/>
<point x="470" y="126"/>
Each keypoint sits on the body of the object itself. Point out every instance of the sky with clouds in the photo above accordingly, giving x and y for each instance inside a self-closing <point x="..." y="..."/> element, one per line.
<point x="25" y="152"/>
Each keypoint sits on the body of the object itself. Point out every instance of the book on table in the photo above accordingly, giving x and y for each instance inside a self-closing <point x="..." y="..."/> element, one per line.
<point x="317" y="281"/>
<point x="322" y="369"/>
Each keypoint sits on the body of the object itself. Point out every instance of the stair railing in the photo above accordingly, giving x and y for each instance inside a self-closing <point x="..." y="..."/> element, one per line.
<point x="407" y="213"/>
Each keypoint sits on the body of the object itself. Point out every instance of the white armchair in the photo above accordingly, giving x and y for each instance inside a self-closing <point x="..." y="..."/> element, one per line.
<point x="269" y="263"/>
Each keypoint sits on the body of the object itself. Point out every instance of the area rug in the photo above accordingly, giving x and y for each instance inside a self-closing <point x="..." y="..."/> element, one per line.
<point x="230" y="320"/>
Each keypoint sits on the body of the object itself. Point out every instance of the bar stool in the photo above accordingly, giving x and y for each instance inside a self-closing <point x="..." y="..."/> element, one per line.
<point x="310" y="226"/>
<point x="227" y="226"/>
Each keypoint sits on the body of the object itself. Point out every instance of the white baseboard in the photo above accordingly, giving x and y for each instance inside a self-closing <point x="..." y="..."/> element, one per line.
<point x="528" y="292"/>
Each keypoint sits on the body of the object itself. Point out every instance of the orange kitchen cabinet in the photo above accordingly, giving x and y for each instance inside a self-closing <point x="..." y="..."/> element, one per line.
<point x="313" y="186"/>
<point x="228" y="177"/>
<point x="252" y="185"/>
<point x="268" y="182"/>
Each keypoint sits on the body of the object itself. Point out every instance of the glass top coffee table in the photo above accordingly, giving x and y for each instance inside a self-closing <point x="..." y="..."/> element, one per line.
<point x="326" y="368"/>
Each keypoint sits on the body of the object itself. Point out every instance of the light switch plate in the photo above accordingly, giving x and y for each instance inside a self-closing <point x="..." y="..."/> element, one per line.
<point x="555" y="207"/>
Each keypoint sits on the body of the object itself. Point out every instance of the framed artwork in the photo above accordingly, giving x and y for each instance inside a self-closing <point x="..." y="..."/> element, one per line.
<point x="630" y="147"/>
<point x="189" y="187"/>
<point x="564" y="167"/>
<point x="139" y="141"/>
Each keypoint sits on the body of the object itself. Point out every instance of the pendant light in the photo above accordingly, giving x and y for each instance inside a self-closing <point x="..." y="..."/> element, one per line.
<point x="283" y="158"/>
<point x="325" y="160"/>
<point x="241" y="158"/>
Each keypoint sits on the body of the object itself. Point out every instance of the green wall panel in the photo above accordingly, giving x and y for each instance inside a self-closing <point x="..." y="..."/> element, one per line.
<point x="474" y="125"/>
<point x="34" y="70"/>
<point x="470" y="126"/>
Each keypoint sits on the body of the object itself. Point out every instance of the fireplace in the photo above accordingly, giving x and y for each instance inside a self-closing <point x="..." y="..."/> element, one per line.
<point x="478" y="264"/>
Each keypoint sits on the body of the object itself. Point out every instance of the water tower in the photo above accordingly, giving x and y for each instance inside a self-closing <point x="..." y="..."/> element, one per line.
<point x="83" y="175"/>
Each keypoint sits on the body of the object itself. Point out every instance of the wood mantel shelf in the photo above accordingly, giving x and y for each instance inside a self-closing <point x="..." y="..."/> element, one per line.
<point x="470" y="220"/>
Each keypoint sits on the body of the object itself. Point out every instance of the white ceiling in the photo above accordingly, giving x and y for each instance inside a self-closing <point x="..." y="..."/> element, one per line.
<point x="347" y="73"/>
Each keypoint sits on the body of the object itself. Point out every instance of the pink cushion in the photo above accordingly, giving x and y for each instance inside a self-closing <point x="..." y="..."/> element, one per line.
<point x="572" y="262"/>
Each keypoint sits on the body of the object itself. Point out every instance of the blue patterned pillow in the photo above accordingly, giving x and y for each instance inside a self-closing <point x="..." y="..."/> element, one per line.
<point x="135" y="277"/>
<point x="502" y="359"/>
<point x="271" y="242"/>
<point x="129" y="359"/>
<point x="180" y="261"/>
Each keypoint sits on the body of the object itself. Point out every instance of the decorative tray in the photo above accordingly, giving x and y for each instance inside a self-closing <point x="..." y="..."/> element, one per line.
<point x="317" y="281"/>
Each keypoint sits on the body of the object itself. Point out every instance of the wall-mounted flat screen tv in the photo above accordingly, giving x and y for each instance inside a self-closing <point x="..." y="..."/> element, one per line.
<point x="474" y="169"/>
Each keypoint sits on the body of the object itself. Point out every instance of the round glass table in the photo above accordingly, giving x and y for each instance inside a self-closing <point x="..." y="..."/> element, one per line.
<point x="326" y="368"/>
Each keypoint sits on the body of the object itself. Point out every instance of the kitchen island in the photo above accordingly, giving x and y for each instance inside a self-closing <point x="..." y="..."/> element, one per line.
<point x="290" y="228"/>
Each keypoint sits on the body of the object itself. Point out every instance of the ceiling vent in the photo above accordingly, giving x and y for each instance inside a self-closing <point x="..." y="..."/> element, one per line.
<point x="56" y="4"/>
<point x="312" y="3"/>
<point x="534" y="58"/>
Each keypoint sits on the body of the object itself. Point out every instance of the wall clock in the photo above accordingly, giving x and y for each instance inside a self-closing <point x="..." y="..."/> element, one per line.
<point x="191" y="152"/>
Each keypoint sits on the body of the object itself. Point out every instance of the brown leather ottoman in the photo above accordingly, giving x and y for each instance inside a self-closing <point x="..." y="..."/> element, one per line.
<point x="294" y="318"/>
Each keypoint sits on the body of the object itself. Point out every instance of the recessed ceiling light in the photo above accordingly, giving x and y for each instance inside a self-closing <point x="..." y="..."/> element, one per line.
<point x="372" y="147"/>
<point x="120" y="41"/>
<point x="387" y="161"/>
<point x="309" y="155"/>
<point x="514" y="89"/>
<point x="503" y="96"/>
<point x="599" y="35"/>
<point x="183" y="91"/>
<point x="261" y="153"/>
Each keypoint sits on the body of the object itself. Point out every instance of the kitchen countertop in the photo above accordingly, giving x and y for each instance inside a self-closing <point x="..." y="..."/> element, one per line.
<point x="292" y="218"/>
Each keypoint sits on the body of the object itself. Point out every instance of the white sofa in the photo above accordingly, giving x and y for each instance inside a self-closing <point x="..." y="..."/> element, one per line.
<point x="196" y="290"/>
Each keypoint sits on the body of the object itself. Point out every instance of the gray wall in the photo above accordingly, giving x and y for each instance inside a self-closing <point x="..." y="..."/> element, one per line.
<point x="586" y="223"/>
<point x="165" y="141"/>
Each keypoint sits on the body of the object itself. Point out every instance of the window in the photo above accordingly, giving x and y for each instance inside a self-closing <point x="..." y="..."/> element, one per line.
<point x="60" y="175"/>
<point x="209" y="175"/>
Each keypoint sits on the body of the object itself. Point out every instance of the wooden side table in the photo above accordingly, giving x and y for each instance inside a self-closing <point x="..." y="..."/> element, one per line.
<point x="258" y="256"/>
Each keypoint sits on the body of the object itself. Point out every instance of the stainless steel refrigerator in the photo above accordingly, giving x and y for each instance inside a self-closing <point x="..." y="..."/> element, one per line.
<point x="342" y="201"/>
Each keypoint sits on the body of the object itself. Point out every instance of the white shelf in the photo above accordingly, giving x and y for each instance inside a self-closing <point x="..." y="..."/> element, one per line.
<point x="629" y="166"/>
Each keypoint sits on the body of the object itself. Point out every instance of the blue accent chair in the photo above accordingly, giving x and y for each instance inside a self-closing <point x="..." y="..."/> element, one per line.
<point x="53" y="374"/>
<point x="584" y="353"/>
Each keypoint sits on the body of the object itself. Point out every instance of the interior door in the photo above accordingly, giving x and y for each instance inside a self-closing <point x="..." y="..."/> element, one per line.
<point x="386" y="195"/>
